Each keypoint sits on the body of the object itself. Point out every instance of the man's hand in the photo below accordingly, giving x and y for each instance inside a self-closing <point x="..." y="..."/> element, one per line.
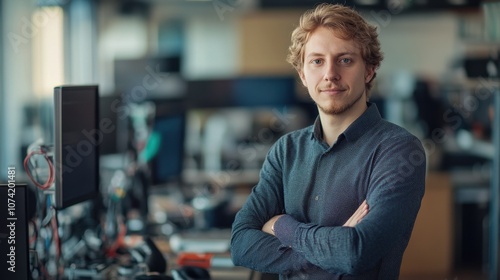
<point x="358" y="215"/>
<point x="269" y="225"/>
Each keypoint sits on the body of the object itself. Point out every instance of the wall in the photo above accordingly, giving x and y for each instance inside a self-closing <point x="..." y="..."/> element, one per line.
<point x="212" y="47"/>
<point x="119" y="37"/>
<point x="422" y="44"/>
<point x="419" y="43"/>
<point x="265" y="37"/>
<point x="430" y="251"/>
<point x="17" y="80"/>
<point x="249" y="41"/>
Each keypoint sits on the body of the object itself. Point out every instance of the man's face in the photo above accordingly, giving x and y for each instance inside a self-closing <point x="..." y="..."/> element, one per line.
<point x="334" y="72"/>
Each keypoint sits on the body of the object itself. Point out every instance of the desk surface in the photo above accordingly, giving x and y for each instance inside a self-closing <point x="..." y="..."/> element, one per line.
<point x="217" y="273"/>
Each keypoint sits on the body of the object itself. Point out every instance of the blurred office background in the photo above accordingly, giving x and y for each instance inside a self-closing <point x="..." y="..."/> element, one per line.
<point x="207" y="81"/>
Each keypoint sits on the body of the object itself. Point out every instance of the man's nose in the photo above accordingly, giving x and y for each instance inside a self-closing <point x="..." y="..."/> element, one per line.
<point x="331" y="72"/>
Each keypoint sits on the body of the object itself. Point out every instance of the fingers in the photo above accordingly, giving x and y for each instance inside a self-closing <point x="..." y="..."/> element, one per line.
<point x="358" y="215"/>
<point x="361" y="212"/>
<point x="269" y="225"/>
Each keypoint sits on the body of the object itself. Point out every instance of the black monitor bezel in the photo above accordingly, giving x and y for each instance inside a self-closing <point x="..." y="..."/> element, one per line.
<point x="61" y="201"/>
<point x="169" y="108"/>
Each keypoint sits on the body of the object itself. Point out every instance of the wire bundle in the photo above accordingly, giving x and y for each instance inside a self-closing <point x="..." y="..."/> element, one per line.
<point x="51" y="177"/>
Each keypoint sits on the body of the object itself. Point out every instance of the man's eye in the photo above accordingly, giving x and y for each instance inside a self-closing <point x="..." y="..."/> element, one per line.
<point x="346" y="60"/>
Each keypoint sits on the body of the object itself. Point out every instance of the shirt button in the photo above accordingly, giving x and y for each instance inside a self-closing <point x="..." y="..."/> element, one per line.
<point x="316" y="198"/>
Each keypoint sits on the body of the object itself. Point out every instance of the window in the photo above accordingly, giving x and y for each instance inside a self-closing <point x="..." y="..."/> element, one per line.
<point x="48" y="51"/>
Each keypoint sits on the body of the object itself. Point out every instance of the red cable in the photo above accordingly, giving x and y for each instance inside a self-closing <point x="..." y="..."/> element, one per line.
<point x="50" y="179"/>
<point x="55" y="231"/>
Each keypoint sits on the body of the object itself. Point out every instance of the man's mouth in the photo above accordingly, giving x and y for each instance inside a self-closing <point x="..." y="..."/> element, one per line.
<point x="332" y="90"/>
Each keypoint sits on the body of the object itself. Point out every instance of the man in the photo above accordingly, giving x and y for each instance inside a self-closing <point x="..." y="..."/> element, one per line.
<point x="338" y="199"/>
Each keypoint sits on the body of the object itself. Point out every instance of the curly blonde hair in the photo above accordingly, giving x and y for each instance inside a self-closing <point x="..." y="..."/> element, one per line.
<point x="347" y="23"/>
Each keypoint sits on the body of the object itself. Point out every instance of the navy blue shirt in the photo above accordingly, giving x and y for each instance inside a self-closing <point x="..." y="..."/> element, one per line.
<point x="319" y="187"/>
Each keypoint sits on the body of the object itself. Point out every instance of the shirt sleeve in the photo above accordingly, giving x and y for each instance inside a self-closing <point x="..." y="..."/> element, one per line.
<point x="250" y="246"/>
<point x="397" y="185"/>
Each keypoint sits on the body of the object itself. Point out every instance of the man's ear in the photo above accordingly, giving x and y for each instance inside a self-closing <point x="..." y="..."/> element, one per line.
<point x="370" y="73"/>
<point x="302" y="77"/>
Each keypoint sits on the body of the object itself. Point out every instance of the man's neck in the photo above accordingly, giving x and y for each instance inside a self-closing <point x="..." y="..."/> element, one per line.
<point x="334" y="125"/>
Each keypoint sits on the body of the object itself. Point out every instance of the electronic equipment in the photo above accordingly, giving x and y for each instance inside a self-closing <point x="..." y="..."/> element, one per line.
<point x="481" y="67"/>
<point x="263" y="91"/>
<point x="76" y="147"/>
<point x="170" y="128"/>
<point x="153" y="277"/>
<point x="140" y="79"/>
<point x="211" y="241"/>
<point x="14" y="245"/>
<point x="245" y="91"/>
<point x="113" y="115"/>
<point x="191" y="273"/>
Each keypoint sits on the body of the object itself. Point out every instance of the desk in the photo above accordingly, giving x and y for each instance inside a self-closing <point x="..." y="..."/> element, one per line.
<point x="217" y="273"/>
<point x="122" y="270"/>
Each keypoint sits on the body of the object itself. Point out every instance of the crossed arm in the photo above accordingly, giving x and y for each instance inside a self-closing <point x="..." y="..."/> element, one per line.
<point x="358" y="215"/>
<point x="271" y="255"/>
<point x="351" y="248"/>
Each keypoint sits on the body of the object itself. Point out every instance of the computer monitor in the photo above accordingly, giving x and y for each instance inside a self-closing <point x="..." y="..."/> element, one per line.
<point x="14" y="245"/>
<point x="209" y="93"/>
<point x="243" y="91"/>
<point x="263" y="91"/>
<point x="151" y="74"/>
<point x="76" y="148"/>
<point x="169" y="127"/>
<point x="113" y="113"/>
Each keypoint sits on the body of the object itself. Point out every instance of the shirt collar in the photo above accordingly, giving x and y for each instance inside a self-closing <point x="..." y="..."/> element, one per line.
<point x="367" y="120"/>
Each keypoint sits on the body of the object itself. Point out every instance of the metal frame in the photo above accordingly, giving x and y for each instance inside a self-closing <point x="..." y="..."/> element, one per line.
<point x="495" y="193"/>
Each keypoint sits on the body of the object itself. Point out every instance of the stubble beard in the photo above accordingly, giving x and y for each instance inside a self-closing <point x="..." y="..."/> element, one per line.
<point x="337" y="109"/>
